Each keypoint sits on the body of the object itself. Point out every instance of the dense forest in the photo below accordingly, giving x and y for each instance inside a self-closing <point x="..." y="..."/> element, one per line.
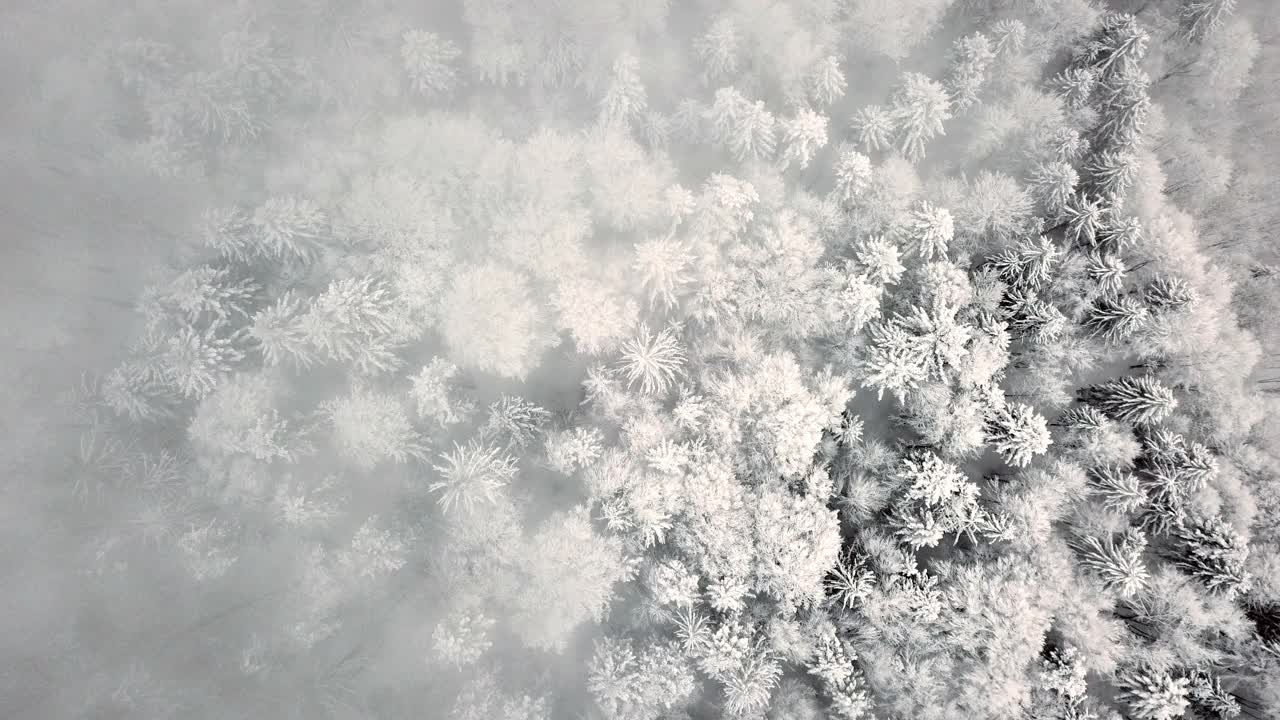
<point x="640" y="360"/>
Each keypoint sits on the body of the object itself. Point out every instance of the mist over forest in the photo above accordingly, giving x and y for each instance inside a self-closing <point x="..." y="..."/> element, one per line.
<point x="639" y="360"/>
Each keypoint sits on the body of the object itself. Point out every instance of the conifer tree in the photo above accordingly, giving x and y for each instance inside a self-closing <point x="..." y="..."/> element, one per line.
<point x="873" y="126"/>
<point x="428" y="60"/>
<point x="1212" y="552"/>
<point x="919" y="110"/>
<point x="1167" y="293"/>
<point x="1198" y="18"/>
<point x="1116" y="318"/>
<point x="1019" y="433"/>
<point x="1119" y="565"/>
<point x="1153" y="694"/>
<point x="971" y="57"/>
<point x="803" y="135"/>
<point x="1135" y="399"/>
<point x="931" y="231"/>
<point x="826" y="83"/>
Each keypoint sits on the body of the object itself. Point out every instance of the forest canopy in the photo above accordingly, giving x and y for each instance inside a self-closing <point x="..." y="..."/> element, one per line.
<point x="618" y="360"/>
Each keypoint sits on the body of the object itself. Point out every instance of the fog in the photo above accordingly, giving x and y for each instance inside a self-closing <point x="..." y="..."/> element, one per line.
<point x="542" y="359"/>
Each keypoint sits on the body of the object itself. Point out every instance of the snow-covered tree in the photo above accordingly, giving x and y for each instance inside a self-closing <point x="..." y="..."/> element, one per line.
<point x="719" y="49"/>
<point x="1055" y="183"/>
<point x="492" y="323"/>
<point x="435" y="391"/>
<point x="853" y="175"/>
<point x="971" y="58"/>
<point x="920" y="108"/>
<point x="880" y="259"/>
<point x="514" y="422"/>
<point x="797" y="541"/>
<point x="625" y="97"/>
<point x="873" y="126"/>
<point x="1199" y="18"/>
<point x="664" y="265"/>
<point x="802" y="136"/>
<point x="1214" y="553"/>
<point x="1119" y="565"/>
<point x="825" y="82"/>
<point x="930" y="231"/>
<point x="1116" y="318"/>
<point x="742" y="126"/>
<point x="470" y="476"/>
<point x="567" y="574"/>
<point x="428" y="61"/>
<point x="1019" y="433"/>
<point x="1134" y="398"/>
<point x="370" y="427"/>
<point x="1153" y="694"/>
<point x="652" y="361"/>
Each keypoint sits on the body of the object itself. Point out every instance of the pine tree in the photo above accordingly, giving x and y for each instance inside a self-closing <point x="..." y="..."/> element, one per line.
<point x="1138" y="399"/>
<point x="1210" y="699"/>
<point x="880" y="259"/>
<point x="1083" y="418"/>
<point x="355" y="320"/>
<point x="1111" y="173"/>
<point x="663" y="265"/>
<point x="1075" y="85"/>
<point x="289" y="228"/>
<point x="1116" y="318"/>
<point x="825" y="82"/>
<point x="1010" y="36"/>
<point x="718" y="49"/>
<point x="1118" y="565"/>
<point x="1054" y="183"/>
<point x="1199" y="18"/>
<point x="428" y="60"/>
<point x="742" y="126"/>
<point x="931" y="231"/>
<point x="624" y="99"/>
<point x="1084" y="216"/>
<point x="1019" y="433"/>
<point x="1037" y="260"/>
<point x="1038" y="321"/>
<point x="873" y="126"/>
<point x="892" y="360"/>
<point x="853" y="175"/>
<point x="227" y="231"/>
<point x="1124" y="109"/>
<point x="371" y="427"/>
<point x="803" y="135"/>
<point x="1153" y="694"/>
<point x="514" y="422"/>
<point x="471" y="475"/>
<point x="1168" y="293"/>
<point x="919" y="110"/>
<point x="654" y="362"/>
<point x="971" y="58"/>
<point x="1214" y="553"/>
<point x="436" y="393"/>
<point x="1119" y="234"/>
<point x="199" y="296"/>
<point x="1108" y="271"/>
<point x="279" y="334"/>
<point x="1119" y="44"/>
<point x="195" y="361"/>
<point x="1120" y="489"/>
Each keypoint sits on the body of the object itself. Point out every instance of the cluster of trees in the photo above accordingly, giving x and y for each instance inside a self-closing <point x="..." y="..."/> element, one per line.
<point x="650" y="361"/>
